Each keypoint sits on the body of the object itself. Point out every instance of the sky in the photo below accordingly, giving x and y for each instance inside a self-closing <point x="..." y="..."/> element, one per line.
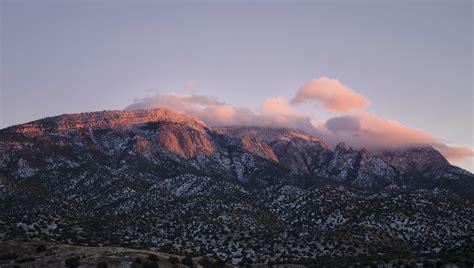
<point x="391" y="62"/>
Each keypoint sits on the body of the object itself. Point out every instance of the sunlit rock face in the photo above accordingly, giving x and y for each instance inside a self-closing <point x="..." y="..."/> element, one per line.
<point x="142" y="144"/>
<point x="261" y="149"/>
<point x="185" y="142"/>
<point x="125" y="118"/>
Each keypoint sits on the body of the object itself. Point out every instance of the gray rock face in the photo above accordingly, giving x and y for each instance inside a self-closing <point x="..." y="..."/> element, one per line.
<point x="292" y="149"/>
<point x="306" y="154"/>
<point x="415" y="160"/>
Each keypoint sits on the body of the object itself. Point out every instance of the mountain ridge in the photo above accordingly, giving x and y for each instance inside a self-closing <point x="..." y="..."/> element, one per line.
<point x="123" y="118"/>
<point x="289" y="148"/>
<point x="168" y="181"/>
<point x="106" y="118"/>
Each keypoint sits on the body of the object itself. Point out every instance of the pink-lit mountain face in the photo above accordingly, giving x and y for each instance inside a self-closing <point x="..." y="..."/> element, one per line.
<point x="150" y="163"/>
<point x="150" y="133"/>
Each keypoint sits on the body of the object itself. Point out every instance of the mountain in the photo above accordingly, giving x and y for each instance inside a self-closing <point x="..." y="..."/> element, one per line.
<point x="158" y="179"/>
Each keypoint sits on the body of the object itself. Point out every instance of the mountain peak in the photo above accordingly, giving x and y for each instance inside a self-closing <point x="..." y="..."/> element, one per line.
<point x="341" y="147"/>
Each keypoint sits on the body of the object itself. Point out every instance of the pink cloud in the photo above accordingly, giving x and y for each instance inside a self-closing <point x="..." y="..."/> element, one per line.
<point x="219" y="115"/>
<point x="274" y="112"/>
<point x="366" y="130"/>
<point x="455" y="153"/>
<point x="331" y="94"/>
<point x="390" y="133"/>
<point x="175" y="101"/>
<point x="359" y="130"/>
<point x="209" y="109"/>
<point x="278" y="106"/>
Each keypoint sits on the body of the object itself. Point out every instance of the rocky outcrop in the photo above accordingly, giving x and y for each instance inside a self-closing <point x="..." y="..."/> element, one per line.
<point x="185" y="142"/>
<point x="261" y="149"/>
<point x="293" y="149"/>
<point x="415" y="160"/>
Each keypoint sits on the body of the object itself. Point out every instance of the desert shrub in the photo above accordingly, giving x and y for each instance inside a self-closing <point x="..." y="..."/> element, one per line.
<point x="40" y="248"/>
<point x="188" y="261"/>
<point x="167" y="248"/>
<point x="27" y="259"/>
<point x="101" y="264"/>
<point x="220" y="263"/>
<point x="173" y="260"/>
<point x="150" y="264"/>
<point x="8" y="256"/>
<point x="72" y="262"/>
<point x="245" y="261"/>
<point x="153" y="257"/>
<point x="204" y="261"/>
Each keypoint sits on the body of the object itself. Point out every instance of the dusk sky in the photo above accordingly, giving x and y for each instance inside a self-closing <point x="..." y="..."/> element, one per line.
<point x="403" y="61"/>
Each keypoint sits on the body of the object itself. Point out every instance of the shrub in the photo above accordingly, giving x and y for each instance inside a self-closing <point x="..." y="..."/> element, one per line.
<point x="40" y="248"/>
<point x="153" y="257"/>
<point x="8" y="256"/>
<point x="150" y="264"/>
<point x="101" y="264"/>
<point x="188" y="261"/>
<point x="220" y="262"/>
<point x="72" y="262"/>
<point x="204" y="261"/>
<point x="27" y="259"/>
<point x="173" y="260"/>
<point x="245" y="261"/>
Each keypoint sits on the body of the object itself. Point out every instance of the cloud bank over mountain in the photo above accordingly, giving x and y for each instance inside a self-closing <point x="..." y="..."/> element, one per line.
<point x="350" y="121"/>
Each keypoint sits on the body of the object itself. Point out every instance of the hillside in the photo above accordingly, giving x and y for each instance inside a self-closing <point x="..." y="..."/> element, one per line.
<point x="158" y="179"/>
